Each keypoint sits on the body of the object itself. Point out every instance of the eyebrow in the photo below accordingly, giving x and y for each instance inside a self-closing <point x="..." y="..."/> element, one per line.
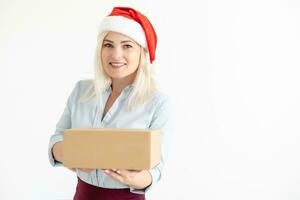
<point x="124" y="41"/>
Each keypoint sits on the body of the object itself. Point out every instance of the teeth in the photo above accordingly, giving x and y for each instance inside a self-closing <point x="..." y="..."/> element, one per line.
<point x="117" y="64"/>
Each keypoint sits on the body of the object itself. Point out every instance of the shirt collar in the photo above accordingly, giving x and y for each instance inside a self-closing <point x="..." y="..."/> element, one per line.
<point x="128" y="88"/>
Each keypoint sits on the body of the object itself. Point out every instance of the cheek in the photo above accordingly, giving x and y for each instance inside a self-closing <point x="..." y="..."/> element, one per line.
<point x="135" y="58"/>
<point x="103" y="55"/>
<point x="104" y="59"/>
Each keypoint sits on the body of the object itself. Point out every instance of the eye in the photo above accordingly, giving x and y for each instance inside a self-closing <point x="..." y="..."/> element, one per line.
<point x="108" y="45"/>
<point x="127" y="46"/>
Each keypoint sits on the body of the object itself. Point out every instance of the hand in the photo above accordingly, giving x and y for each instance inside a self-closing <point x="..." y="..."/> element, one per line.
<point x="134" y="178"/>
<point x="72" y="169"/>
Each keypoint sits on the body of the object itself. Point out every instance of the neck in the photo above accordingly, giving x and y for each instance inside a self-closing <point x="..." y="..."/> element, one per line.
<point x="119" y="84"/>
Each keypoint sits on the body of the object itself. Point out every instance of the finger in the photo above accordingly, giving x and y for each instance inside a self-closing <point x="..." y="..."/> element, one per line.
<point x="72" y="169"/>
<point x="114" y="175"/>
<point x="128" y="172"/>
<point x="120" y="171"/>
<point x="123" y="171"/>
<point x="109" y="171"/>
<point x="135" y="170"/>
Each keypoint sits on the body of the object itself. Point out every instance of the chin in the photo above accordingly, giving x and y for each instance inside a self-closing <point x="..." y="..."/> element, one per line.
<point x="118" y="76"/>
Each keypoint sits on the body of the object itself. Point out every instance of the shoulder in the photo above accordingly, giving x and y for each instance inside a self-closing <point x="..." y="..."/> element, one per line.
<point x="160" y="100"/>
<point x="81" y="88"/>
<point x="85" y="84"/>
<point x="162" y="107"/>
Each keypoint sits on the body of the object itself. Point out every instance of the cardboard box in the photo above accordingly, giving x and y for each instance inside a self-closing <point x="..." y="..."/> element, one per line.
<point x="135" y="149"/>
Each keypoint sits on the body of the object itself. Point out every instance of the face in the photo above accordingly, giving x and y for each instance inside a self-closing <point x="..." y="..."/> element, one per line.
<point x="120" y="56"/>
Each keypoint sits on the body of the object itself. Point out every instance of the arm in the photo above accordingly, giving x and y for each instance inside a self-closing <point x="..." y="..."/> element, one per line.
<point x="162" y="120"/>
<point x="55" y="149"/>
<point x="55" y="143"/>
<point x="142" y="181"/>
<point x="57" y="152"/>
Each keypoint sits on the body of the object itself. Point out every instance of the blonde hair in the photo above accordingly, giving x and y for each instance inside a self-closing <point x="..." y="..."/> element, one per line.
<point x="143" y="85"/>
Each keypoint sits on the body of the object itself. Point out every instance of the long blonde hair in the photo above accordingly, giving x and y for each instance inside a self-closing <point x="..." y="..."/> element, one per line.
<point x="143" y="85"/>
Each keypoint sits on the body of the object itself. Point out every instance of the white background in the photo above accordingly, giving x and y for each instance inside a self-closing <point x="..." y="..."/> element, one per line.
<point x="231" y="66"/>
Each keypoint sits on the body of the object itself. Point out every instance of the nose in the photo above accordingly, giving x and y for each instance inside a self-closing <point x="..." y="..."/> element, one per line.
<point x="117" y="53"/>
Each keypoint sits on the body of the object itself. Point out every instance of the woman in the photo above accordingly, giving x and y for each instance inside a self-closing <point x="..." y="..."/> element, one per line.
<point x="121" y="95"/>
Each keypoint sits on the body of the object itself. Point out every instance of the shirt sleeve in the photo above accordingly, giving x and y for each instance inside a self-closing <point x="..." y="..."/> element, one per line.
<point x="162" y="120"/>
<point x="63" y="123"/>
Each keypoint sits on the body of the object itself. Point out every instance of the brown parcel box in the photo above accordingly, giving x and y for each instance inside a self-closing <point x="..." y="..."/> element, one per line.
<point x="111" y="148"/>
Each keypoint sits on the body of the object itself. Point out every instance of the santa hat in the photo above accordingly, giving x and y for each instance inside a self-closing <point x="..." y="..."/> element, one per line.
<point x="133" y="24"/>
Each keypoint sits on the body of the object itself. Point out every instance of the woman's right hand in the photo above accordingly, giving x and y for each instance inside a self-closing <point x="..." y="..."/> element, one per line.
<point x="72" y="169"/>
<point x="57" y="151"/>
<point x="58" y="156"/>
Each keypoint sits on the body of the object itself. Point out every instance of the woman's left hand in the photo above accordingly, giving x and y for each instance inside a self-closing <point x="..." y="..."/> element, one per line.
<point x="134" y="178"/>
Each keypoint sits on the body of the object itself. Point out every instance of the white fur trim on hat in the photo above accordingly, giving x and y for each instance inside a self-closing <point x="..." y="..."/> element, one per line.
<point x="125" y="26"/>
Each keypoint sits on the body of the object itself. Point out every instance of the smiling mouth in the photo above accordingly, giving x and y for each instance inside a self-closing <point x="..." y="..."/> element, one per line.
<point x="117" y="65"/>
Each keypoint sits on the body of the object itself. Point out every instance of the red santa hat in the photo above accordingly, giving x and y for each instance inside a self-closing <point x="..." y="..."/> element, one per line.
<point x="133" y="24"/>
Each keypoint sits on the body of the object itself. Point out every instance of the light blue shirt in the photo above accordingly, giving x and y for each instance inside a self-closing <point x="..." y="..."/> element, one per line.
<point x="154" y="114"/>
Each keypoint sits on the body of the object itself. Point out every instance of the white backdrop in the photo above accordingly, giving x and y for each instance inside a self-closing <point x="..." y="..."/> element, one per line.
<point x="232" y="68"/>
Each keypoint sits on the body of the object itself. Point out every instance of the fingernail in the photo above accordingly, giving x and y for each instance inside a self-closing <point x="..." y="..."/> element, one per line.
<point x="118" y="171"/>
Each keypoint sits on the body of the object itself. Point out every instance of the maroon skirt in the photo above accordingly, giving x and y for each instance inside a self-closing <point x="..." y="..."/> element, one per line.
<point x="85" y="191"/>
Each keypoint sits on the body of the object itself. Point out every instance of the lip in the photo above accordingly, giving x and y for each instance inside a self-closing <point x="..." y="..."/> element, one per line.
<point x="117" y="64"/>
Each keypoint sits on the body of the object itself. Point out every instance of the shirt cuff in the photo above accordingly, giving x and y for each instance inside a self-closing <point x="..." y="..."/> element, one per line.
<point x="54" y="139"/>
